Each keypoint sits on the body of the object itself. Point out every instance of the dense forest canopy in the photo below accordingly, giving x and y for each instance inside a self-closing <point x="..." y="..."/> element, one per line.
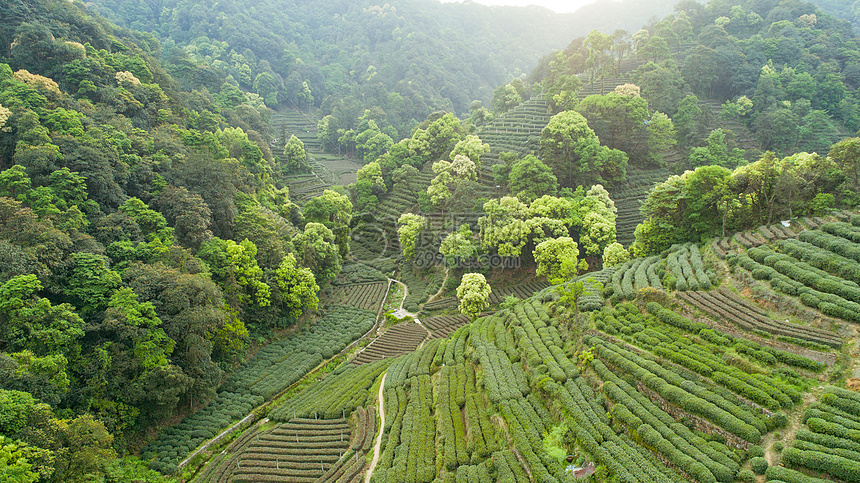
<point x="406" y="58"/>
<point x="179" y="249"/>
<point x="847" y="10"/>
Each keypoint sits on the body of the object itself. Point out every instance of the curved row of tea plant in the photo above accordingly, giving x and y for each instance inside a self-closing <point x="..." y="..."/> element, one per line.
<point x="270" y="371"/>
<point x="397" y="340"/>
<point x="727" y="305"/>
<point x="830" y="441"/>
<point x="336" y="395"/>
<point x="793" y="277"/>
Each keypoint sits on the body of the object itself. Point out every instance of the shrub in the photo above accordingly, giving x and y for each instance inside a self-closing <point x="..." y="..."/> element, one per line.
<point x="780" y="473"/>
<point x="758" y="465"/>
<point x="746" y="476"/>
<point x="755" y="451"/>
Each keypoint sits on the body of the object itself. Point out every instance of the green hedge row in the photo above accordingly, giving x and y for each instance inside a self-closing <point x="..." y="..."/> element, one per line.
<point x="395" y="406"/>
<point x="837" y="451"/>
<point x="676" y="390"/>
<point x="674" y="319"/>
<point x="804" y="434"/>
<point x="527" y="439"/>
<point x="687" y="269"/>
<point x="174" y="444"/>
<point x="673" y="265"/>
<point x="414" y="460"/>
<point x="653" y="276"/>
<point x="767" y="355"/>
<point x="482" y="434"/>
<point x="687" y="464"/>
<point x="806" y="274"/>
<point x="505" y="340"/>
<point x="775" y="474"/>
<point x="829" y="413"/>
<point x="618" y="454"/>
<point x="473" y="474"/>
<point x="336" y="395"/>
<point x="613" y="290"/>
<point x="843" y="399"/>
<point x="640" y="276"/>
<point x="282" y="363"/>
<point x="455" y="347"/>
<point x="648" y="412"/>
<point x="450" y="419"/>
<point x="822" y="259"/>
<point x="834" y="465"/>
<point x="842" y="230"/>
<point x="836" y="430"/>
<point x="508" y="467"/>
<point x="502" y="379"/>
<point x="828" y="303"/>
<point x="413" y="364"/>
<point x="543" y="346"/>
<point x="628" y="289"/>
<point x="699" y="268"/>
<point x="271" y="370"/>
<point x="702" y="359"/>
<point x="684" y="447"/>
<point x="836" y="238"/>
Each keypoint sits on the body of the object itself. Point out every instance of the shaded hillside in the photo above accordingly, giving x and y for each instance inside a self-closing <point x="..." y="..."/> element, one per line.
<point x="407" y="57"/>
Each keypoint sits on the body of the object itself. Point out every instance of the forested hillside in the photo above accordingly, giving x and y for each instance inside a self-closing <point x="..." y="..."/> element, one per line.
<point x="411" y="242"/>
<point x="407" y="58"/>
<point x="845" y="10"/>
<point x="144" y="244"/>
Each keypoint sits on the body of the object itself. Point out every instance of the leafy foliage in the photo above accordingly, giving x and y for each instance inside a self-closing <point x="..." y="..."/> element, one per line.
<point x="473" y="293"/>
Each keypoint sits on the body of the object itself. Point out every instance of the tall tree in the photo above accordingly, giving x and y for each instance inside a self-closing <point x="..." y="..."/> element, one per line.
<point x="530" y="179"/>
<point x="504" y="227"/>
<point x="473" y="292"/>
<point x="316" y="249"/>
<point x="557" y="258"/>
<point x="574" y="152"/>
<point x="298" y="288"/>
<point x="409" y="231"/>
<point x="295" y="157"/>
<point x="846" y="154"/>
<point x="35" y="324"/>
<point x="472" y="147"/>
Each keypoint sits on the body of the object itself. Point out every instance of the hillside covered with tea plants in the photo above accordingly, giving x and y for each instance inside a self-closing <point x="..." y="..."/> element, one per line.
<point x="412" y="242"/>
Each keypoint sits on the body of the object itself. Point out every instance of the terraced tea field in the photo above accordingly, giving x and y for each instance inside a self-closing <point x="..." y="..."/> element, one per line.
<point x="365" y="296"/>
<point x="399" y="339"/>
<point x="327" y="169"/>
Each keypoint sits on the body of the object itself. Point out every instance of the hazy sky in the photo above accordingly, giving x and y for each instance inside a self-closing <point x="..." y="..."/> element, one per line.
<point x="560" y="6"/>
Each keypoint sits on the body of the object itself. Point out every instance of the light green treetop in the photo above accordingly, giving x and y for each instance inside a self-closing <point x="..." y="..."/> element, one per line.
<point x="557" y="259"/>
<point x="439" y="189"/>
<point x="504" y="227"/>
<point x="372" y="172"/>
<point x="463" y="168"/>
<point x="297" y="285"/>
<point x="472" y="147"/>
<point x="473" y="292"/>
<point x="248" y="274"/>
<point x="151" y="343"/>
<point x="598" y="214"/>
<point x="295" y="156"/>
<point x="615" y="254"/>
<point x="14" y="466"/>
<point x="530" y="178"/>
<point x="459" y="244"/>
<point x="409" y="230"/>
<point x="316" y="249"/>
